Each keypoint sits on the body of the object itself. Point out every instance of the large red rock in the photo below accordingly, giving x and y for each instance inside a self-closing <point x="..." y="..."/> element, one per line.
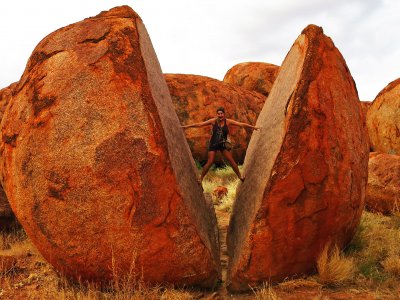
<point x="383" y="120"/>
<point x="253" y="76"/>
<point x="97" y="168"/>
<point x="196" y="99"/>
<point x="306" y="168"/>
<point x="7" y="217"/>
<point x="383" y="188"/>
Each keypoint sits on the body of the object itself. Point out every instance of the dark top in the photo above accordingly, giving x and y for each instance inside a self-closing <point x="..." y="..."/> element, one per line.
<point x="219" y="135"/>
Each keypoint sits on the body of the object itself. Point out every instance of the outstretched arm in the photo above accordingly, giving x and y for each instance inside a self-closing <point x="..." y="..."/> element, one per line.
<point x="200" y="124"/>
<point x="236" y="123"/>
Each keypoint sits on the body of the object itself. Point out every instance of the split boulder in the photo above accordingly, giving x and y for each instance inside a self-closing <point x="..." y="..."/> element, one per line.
<point x="97" y="168"/>
<point x="306" y="169"/>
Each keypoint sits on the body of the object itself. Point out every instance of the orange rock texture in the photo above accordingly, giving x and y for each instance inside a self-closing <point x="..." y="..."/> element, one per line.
<point x="253" y="76"/>
<point x="5" y="97"/>
<point x="97" y="168"/>
<point x="196" y="99"/>
<point x="7" y="217"/>
<point x="383" y="188"/>
<point x="383" y="120"/>
<point x="306" y="168"/>
<point x="365" y="105"/>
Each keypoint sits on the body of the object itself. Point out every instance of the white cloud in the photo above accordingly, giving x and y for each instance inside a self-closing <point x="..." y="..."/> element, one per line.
<point x="208" y="37"/>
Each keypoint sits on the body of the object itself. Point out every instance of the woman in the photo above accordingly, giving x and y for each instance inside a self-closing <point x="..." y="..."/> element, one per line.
<point x="220" y="133"/>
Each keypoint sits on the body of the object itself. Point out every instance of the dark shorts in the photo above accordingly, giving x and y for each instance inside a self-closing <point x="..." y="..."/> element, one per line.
<point x="217" y="147"/>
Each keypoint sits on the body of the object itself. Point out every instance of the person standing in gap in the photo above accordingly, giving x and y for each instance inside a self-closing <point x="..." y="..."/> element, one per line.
<point x="219" y="140"/>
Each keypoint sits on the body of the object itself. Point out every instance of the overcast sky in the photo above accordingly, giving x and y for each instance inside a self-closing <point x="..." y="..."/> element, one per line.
<point x="207" y="37"/>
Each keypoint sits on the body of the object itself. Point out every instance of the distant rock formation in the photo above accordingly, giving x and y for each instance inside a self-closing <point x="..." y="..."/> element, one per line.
<point x="365" y="105"/>
<point x="383" y="188"/>
<point x="97" y="168"/>
<point x="196" y="99"/>
<point x="305" y="174"/>
<point x="253" y="76"/>
<point x="383" y="120"/>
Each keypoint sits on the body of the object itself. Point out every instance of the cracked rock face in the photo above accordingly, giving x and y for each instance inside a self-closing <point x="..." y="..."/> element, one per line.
<point x="253" y="76"/>
<point x="306" y="169"/>
<point x="196" y="99"/>
<point x="383" y="188"/>
<point x="96" y="165"/>
<point x="383" y="120"/>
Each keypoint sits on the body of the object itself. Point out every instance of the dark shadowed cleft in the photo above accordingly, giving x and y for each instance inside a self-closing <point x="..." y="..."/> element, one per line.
<point x="41" y="103"/>
<point x="10" y="139"/>
<point x="39" y="57"/>
<point x="57" y="186"/>
<point x="95" y="40"/>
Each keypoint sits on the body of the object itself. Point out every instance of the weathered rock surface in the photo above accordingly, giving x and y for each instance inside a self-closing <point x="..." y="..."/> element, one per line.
<point x="7" y="217"/>
<point x="383" y="120"/>
<point x="5" y="97"/>
<point x="253" y="76"/>
<point x="97" y="168"/>
<point x="196" y="99"/>
<point x="383" y="188"/>
<point x="306" y="169"/>
<point x="365" y="105"/>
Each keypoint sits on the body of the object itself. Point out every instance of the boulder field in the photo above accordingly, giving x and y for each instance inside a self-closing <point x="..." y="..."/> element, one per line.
<point x="306" y="169"/>
<point x="95" y="164"/>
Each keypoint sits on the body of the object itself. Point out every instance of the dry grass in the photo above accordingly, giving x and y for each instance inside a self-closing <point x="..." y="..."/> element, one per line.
<point x="334" y="269"/>
<point x="222" y="177"/>
<point x="291" y="285"/>
<point x="391" y="265"/>
<point x="376" y="243"/>
<point x="11" y="239"/>
<point x="226" y="203"/>
<point x="266" y="292"/>
<point x="37" y="279"/>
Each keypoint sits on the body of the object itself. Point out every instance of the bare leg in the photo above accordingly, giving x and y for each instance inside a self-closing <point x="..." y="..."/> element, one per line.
<point x="232" y="162"/>
<point x="210" y="161"/>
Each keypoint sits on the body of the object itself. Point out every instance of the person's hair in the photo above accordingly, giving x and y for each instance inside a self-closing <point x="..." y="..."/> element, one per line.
<point x="221" y="109"/>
